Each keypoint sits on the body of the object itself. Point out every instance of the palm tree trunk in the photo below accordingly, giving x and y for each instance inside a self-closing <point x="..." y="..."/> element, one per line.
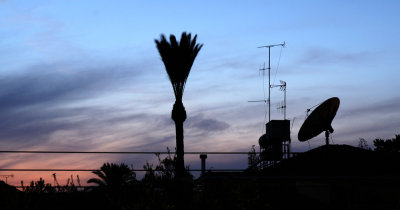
<point x="180" y="164"/>
<point x="179" y="116"/>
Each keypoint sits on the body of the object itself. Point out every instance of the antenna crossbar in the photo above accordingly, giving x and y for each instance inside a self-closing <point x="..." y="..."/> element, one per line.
<point x="274" y="45"/>
<point x="265" y="101"/>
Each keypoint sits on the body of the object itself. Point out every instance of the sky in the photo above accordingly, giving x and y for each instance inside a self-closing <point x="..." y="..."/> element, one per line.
<point x="86" y="76"/>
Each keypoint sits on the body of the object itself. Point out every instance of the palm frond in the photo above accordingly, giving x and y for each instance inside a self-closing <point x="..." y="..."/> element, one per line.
<point x="178" y="59"/>
<point x="97" y="181"/>
<point x="113" y="175"/>
<point x="101" y="175"/>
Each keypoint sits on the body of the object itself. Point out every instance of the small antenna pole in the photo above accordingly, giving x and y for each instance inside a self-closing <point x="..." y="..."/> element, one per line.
<point x="282" y="87"/>
<point x="327" y="137"/>
<point x="269" y="84"/>
<point x="269" y="75"/>
<point x="284" y="103"/>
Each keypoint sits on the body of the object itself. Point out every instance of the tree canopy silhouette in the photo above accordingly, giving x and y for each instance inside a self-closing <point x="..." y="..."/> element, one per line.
<point x="388" y="145"/>
<point x="178" y="59"/>
<point x="113" y="177"/>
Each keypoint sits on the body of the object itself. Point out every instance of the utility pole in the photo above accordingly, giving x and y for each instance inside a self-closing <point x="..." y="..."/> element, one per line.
<point x="269" y="75"/>
<point x="6" y="176"/>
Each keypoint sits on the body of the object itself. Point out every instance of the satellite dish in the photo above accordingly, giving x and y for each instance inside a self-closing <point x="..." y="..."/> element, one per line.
<point x="320" y="120"/>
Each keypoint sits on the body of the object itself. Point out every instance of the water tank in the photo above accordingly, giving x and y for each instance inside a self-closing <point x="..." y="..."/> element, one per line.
<point x="278" y="130"/>
<point x="263" y="141"/>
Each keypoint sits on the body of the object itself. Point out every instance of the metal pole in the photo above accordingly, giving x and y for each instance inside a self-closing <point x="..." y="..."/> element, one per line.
<point x="203" y="158"/>
<point x="284" y="102"/>
<point x="327" y="137"/>
<point x="269" y="83"/>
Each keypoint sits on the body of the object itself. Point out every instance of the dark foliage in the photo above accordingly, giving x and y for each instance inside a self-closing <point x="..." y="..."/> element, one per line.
<point x="363" y="144"/>
<point x="252" y="159"/>
<point x="159" y="183"/>
<point x="39" y="187"/>
<point x="116" y="182"/>
<point x="114" y="177"/>
<point x="388" y="145"/>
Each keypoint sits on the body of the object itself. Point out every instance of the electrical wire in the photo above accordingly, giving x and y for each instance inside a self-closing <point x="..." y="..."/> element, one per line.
<point x="98" y="152"/>
<point x="279" y="61"/>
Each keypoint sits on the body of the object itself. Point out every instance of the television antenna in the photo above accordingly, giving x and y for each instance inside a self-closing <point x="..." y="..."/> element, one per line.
<point x="6" y="176"/>
<point x="269" y="78"/>
<point x="269" y="75"/>
<point x="282" y="87"/>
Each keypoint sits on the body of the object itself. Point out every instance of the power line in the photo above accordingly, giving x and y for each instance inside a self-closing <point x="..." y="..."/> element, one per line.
<point x="90" y="170"/>
<point x="31" y="169"/>
<point x="101" y="152"/>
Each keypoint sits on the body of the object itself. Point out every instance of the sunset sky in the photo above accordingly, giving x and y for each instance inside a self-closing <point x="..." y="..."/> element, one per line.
<point x="86" y="76"/>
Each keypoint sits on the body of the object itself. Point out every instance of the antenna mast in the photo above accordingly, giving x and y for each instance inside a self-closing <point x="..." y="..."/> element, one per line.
<point x="269" y="75"/>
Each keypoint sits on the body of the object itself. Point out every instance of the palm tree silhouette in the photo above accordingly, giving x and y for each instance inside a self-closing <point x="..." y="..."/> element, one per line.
<point x="178" y="59"/>
<point x="115" y="181"/>
<point x="113" y="177"/>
